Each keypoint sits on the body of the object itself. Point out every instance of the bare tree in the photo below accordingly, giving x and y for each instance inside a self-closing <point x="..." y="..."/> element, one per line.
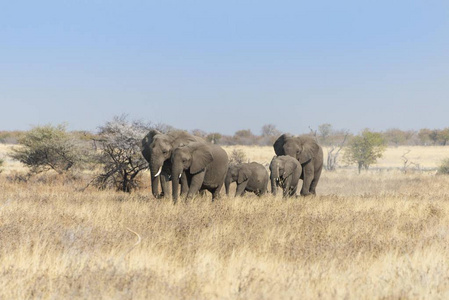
<point x="407" y="163"/>
<point x="121" y="154"/>
<point x="269" y="130"/>
<point x="325" y="131"/>
<point x="269" y="134"/>
<point x="333" y="153"/>
<point x="313" y="133"/>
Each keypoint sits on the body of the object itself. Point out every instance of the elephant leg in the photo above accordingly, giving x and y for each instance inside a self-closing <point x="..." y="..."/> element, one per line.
<point x="164" y="185"/>
<point x="195" y="184"/>
<point x="227" y="184"/>
<point x="165" y="179"/>
<point x="241" y="188"/>
<point x="184" y="184"/>
<point x="216" y="192"/>
<point x="315" y="180"/>
<point x="261" y="192"/>
<point x="202" y="193"/>
<point x="307" y="179"/>
<point x="287" y="186"/>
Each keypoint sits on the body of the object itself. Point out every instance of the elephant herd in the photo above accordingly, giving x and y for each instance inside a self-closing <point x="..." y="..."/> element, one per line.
<point x="196" y="165"/>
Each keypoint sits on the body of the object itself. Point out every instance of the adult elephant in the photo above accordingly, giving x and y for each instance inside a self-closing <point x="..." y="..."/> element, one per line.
<point x="157" y="149"/>
<point x="285" y="172"/>
<point x="309" y="154"/>
<point x="204" y="166"/>
<point x="251" y="177"/>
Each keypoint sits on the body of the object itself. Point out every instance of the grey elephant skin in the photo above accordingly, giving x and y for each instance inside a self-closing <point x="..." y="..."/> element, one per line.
<point x="250" y="177"/>
<point x="285" y="172"/>
<point x="204" y="166"/>
<point x="157" y="149"/>
<point x="309" y="154"/>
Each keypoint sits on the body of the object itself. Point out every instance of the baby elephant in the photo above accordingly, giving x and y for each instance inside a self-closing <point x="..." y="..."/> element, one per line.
<point x="251" y="177"/>
<point x="285" y="172"/>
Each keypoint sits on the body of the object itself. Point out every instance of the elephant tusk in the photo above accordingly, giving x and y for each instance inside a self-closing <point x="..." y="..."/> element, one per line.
<point x="158" y="172"/>
<point x="180" y="175"/>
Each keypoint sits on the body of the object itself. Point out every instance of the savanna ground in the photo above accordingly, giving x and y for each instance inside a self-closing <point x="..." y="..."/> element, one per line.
<point x="381" y="234"/>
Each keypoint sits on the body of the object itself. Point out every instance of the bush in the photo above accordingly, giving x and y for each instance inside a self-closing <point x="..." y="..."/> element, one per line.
<point x="48" y="148"/>
<point x="365" y="149"/>
<point x="444" y="167"/>
<point x="238" y="156"/>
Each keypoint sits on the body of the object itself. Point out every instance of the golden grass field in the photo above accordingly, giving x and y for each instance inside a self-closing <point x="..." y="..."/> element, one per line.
<point x="377" y="235"/>
<point x="426" y="156"/>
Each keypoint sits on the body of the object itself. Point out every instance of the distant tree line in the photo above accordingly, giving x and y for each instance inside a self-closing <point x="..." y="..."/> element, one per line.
<point x="325" y="134"/>
<point x="328" y="136"/>
<point x="113" y="153"/>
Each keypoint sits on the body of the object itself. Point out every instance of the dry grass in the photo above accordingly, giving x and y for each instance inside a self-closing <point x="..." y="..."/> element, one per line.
<point x="377" y="235"/>
<point x="426" y="157"/>
<point x="9" y="164"/>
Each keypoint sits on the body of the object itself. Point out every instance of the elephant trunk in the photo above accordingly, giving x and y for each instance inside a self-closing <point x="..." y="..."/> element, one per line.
<point x="154" y="185"/>
<point x="155" y="170"/>
<point x="176" y="171"/>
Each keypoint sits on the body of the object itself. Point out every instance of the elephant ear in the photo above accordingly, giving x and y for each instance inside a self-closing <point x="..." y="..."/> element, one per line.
<point x="148" y="139"/>
<point x="146" y="142"/>
<point x="201" y="157"/>
<point x="279" y="144"/>
<point x="309" y="148"/>
<point x="289" y="167"/>
<point x="244" y="174"/>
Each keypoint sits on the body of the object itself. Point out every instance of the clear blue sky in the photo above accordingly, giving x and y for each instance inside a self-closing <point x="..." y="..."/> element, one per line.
<point x="226" y="65"/>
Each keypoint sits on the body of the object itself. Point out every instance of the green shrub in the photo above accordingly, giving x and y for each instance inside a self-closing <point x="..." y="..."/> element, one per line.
<point x="444" y="167"/>
<point x="48" y="148"/>
<point x="365" y="149"/>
